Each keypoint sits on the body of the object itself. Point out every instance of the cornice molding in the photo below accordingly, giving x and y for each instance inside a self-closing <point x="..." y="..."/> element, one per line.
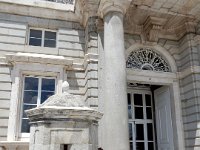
<point x="154" y="28"/>
<point x="186" y="27"/>
<point x="88" y="8"/>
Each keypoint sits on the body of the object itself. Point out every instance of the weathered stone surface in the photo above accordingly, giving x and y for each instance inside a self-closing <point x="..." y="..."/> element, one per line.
<point x="61" y="115"/>
<point x="64" y="100"/>
<point x="79" y="40"/>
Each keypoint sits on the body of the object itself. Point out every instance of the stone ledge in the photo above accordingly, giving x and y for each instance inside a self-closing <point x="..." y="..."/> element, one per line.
<point x="50" y="113"/>
<point x="90" y="57"/>
<point x="3" y="143"/>
<point x="38" y="58"/>
<point x="41" y="9"/>
<point x="42" y="4"/>
<point x="13" y="144"/>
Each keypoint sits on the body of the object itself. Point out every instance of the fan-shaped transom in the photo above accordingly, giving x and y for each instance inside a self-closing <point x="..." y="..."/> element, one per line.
<point x="147" y="59"/>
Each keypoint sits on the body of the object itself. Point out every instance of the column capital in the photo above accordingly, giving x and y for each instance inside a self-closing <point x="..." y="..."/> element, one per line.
<point x="107" y="6"/>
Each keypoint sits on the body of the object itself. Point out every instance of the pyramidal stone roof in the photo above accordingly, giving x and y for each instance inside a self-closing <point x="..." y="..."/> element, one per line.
<point x="63" y="106"/>
<point x="64" y="100"/>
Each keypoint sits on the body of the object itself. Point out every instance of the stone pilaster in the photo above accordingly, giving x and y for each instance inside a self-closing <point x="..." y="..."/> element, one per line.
<point x="115" y="120"/>
<point x="91" y="62"/>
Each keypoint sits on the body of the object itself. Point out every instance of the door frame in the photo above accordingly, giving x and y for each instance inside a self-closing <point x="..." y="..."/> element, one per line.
<point x="143" y="90"/>
<point x="165" y="79"/>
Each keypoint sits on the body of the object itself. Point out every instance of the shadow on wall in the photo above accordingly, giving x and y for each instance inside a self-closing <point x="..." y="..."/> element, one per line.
<point x="82" y="40"/>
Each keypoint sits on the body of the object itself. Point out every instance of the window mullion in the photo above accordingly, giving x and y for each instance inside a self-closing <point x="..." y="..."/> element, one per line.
<point x="145" y="120"/>
<point x="133" y="123"/>
<point x="134" y="135"/>
<point x="133" y="106"/>
<point x="43" y="31"/>
<point x="39" y="91"/>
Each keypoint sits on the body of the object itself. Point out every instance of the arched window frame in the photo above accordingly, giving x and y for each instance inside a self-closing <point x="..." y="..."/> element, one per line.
<point x="159" y="50"/>
<point x="147" y="59"/>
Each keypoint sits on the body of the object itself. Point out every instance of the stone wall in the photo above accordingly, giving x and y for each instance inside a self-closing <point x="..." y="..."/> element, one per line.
<point x="5" y="90"/>
<point x="14" y="33"/>
<point x="70" y="44"/>
<point x="91" y="63"/>
<point x="188" y="52"/>
<point x="85" y="81"/>
<point x="190" y="92"/>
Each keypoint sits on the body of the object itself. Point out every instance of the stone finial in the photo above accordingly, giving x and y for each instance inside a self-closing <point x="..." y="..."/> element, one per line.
<point x="65" y="87"/>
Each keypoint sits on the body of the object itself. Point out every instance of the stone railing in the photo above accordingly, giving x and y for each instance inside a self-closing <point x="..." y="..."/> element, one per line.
<point x="62" y="1"/>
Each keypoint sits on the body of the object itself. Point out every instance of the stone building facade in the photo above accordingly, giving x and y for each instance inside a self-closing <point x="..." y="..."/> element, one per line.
<point x="136" y="61"/>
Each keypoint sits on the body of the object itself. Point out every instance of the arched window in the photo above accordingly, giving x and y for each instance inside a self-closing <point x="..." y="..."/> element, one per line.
<point x="147" y="59"/>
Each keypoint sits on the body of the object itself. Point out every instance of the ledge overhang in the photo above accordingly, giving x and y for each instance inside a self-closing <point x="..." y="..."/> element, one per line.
<point x="40" y="8"/>
<point x="38" y="58"/>
<point x="50" y="113"/>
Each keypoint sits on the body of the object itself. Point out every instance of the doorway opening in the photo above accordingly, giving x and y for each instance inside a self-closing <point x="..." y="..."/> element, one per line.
<point x="149" y="125"/>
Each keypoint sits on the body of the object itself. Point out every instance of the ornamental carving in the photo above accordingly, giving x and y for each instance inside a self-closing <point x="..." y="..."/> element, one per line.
<point x="147" y="59"/>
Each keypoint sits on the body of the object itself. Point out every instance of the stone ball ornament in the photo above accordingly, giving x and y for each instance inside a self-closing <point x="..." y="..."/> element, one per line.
<point x="65" y="87"/>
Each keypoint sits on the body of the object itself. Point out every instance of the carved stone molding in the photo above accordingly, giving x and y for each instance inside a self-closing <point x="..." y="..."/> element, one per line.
<point x="88" y="8"/>
<point x="156" y="24"/>
<point x="111" y="7"/>
<point x="186" y="27"/>
<point x="107" y="6"/>
<point x="190" y="26"/>
<point x="152" y="27"/>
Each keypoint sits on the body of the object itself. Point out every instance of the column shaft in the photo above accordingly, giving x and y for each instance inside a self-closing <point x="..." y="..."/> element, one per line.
<point x="115" y="121"/>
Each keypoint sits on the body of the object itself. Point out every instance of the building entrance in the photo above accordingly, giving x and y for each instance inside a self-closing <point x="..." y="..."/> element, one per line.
<point x="141" y="119"/>
<point x="149" y="115"/>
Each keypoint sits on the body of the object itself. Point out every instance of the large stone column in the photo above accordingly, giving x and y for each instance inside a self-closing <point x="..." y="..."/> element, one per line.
<point x="115" y="120"/>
